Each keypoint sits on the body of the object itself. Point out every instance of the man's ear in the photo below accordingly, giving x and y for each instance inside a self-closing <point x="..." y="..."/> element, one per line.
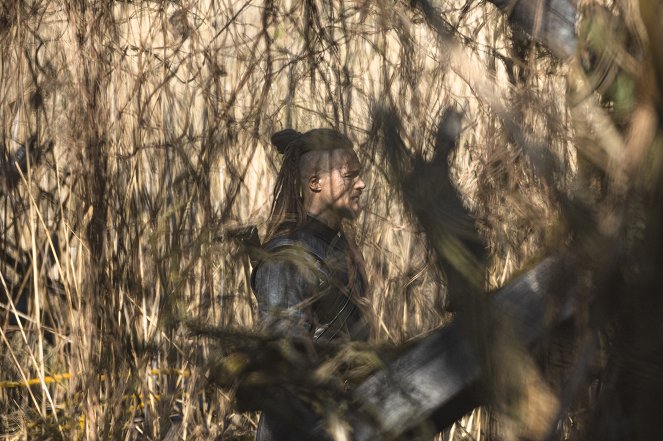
<point x="314" y="184"/>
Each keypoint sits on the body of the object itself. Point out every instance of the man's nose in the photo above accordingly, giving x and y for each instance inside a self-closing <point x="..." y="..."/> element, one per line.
<point x="360" y="184"/>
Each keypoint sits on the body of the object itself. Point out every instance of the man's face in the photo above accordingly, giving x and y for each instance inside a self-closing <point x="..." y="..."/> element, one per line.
<point x="341" y="185"/>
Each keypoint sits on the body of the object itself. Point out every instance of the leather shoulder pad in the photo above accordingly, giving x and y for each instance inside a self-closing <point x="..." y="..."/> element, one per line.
<point x="280" y="243"/>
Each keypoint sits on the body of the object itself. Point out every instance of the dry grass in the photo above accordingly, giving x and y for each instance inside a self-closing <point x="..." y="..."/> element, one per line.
<point x="145" y="128"/>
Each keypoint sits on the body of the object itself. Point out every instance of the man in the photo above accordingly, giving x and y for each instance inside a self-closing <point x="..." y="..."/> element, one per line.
<point x="311" y="279"/>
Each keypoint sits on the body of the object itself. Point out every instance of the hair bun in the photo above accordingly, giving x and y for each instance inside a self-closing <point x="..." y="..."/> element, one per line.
<point x="282" y="139"/>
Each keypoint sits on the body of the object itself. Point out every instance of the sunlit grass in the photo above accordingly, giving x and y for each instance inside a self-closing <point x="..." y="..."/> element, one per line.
<point x="151" y="123"/>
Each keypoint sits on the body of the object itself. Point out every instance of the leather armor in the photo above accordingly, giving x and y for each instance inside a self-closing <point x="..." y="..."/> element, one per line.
<point x="307" y="282"/>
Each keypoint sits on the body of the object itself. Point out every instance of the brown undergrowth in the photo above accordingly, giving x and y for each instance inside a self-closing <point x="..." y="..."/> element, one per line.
<point x="135" y="142"/>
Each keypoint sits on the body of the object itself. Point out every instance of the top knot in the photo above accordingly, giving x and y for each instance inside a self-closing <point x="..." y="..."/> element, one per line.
<point x="284" y="138"/>
<point x="316" y="139"/>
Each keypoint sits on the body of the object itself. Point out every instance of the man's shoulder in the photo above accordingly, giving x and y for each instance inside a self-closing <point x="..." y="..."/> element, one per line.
<point x="301" y="239"/>
<point x="293" y="250"/>
<point x="281" y="242"/>
<point x="290" y="249"/>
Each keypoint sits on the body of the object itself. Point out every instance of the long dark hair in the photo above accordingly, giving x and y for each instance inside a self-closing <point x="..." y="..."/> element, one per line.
<point x="288" y="212"/>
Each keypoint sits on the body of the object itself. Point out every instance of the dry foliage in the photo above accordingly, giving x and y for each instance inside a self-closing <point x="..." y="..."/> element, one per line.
<point x="135" y="141"/>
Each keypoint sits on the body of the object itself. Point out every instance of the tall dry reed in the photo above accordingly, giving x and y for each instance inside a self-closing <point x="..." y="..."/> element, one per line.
<point x="135" y="140"/>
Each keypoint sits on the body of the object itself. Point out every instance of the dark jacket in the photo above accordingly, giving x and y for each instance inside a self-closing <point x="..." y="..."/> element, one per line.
<point x="308" y="282"/>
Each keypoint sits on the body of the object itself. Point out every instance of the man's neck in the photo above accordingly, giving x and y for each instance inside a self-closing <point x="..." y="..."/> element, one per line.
<point x="328" y="218"/>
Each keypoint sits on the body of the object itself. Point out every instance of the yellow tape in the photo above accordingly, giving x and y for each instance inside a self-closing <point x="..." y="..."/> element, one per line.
<point x="57" y="378"/>
<point x="34" y="381"/>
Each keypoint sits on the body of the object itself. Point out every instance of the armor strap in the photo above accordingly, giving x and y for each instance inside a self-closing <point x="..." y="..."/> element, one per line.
<point x="326" y="331"/>
<point x="284" y="242"/>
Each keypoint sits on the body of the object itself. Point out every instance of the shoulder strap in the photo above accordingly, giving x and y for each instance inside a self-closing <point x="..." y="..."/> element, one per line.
<point x="285" y="242"/>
